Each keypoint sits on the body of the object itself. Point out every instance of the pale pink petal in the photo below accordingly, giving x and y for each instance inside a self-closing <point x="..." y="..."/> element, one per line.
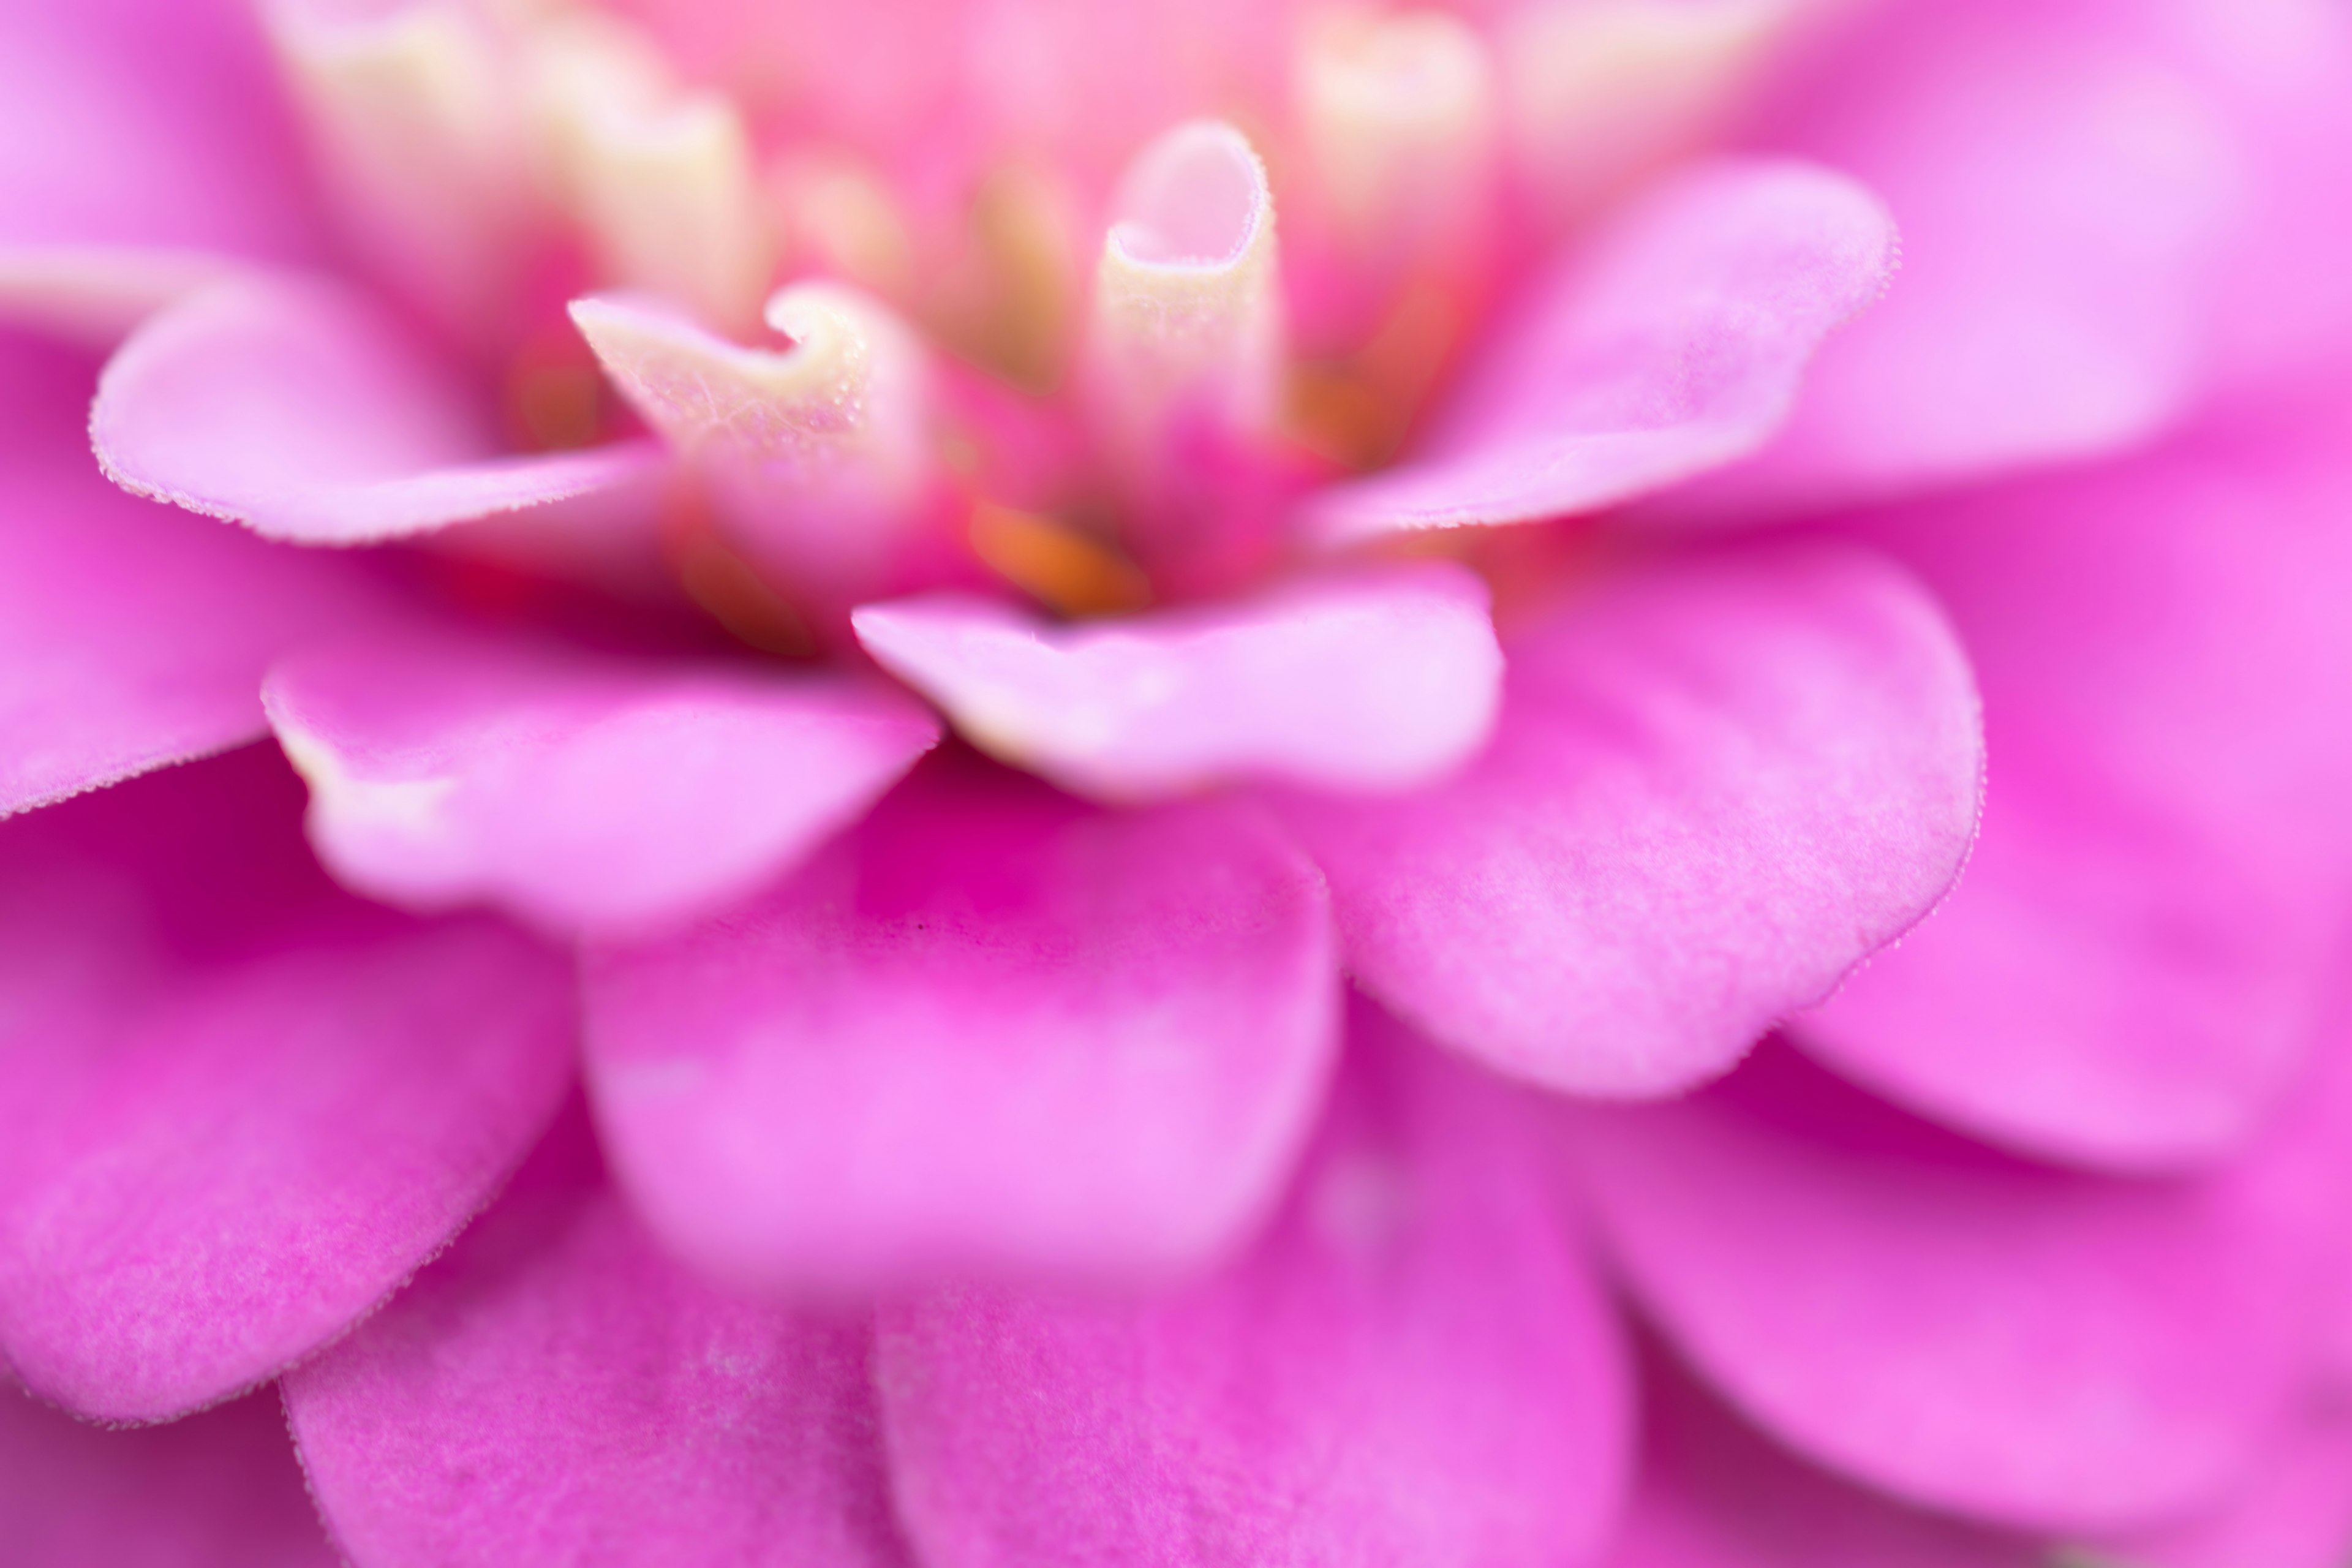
<point x="215" y="1490"/>
<point x="130" y="636"/>
<point x="1716" y="1493"/>
<point x="2294" y="1512"/>
<point x="2128" y="972"/>
<point x="306" y="412"/>
<point x="584" y="792"/>
<point x="233" y="1127"/>
<point x="1412" y="1366"/>
<point x="991" y="1027"/>
<point x="2066" y="196"/>
<point x="1716" y="787"/>
<point x="94" y="294"/>
<point x="2055" y="1351"/>
<point x="1378" y="680"/>
<point x="1675" y="344"/>
<point x="556" y="1391"/>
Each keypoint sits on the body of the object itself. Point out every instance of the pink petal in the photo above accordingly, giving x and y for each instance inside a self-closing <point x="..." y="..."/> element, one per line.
<point x="306" y="412"/>
<point x="215" y="1490"/>
<point x="1715" y="1493"/>
<point x="130" y="636"/>
<point x="1414" y="1366"/>
<point x="2294" y="1512"/>
<point x="555" y="1391"/>
<point x="2128" y="974"/>
<point x="2049" y="1350"/>
<point x="1716" y="787"/>
<point x="2066" y="196"/>
<point x="1673" y="345"/>
<point x="240" y="1114"/>
<point x="1380" y="680"/>
<point x="581" y="793"/>
<point x="990" y="1028"/>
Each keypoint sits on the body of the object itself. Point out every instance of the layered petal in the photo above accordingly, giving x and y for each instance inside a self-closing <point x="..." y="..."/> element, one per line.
<point x="130" y="636"/>
<point x="1716" y="786"/>
<point x="240" y="1114"/>
<point x="584" y="794"/>
<point x="555" y="1390"/>
<point x="2068" y="197"/>
<point x="989" y="1028"/>
<point x="215" y="1490"/>
<point x="2127" y="975"/>
<point x="1412" y="1366"/>
<point x="2060" y="1351"/>
<point x="1378" y="680"/>
<point x="307" y="413"/>
<point x="1672" y="345"/>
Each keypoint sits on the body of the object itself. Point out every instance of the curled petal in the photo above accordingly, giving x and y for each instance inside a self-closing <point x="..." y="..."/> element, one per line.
<point x="215" y="1490"/>
<point x="130" y="636"/>
<point x="221" y="1151"/>
<point x="988" y="1029"/>
<point x="556" y="1391"/>
<point x="1384" y="680"/>
<point x="305" y="412"/>
<point x="586" y="794"/>
<point x="2058" y="1352"/>
<point x="1714" y="789"/>
<point x="1412" y="1366"/>
<point x="1673" y="345"/>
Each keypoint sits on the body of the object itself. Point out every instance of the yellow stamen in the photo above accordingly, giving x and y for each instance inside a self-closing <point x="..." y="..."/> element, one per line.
<point x="1058" y="565"/>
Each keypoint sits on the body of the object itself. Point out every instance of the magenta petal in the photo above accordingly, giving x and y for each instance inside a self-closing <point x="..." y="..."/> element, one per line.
<point x="215" y="1490"/>
<point x="556" y="1391"/>
<point x="1715" y="1493"/>
<point x="1377" y="680"/>
<point x="2294" y="1512"/>
<point x="306" y="412"/>
<point x="1414" y="1366"/>
<point x="1716" y="787"/>
<point x="583" y="793"/>
<point x="990" y="1027"/>
<point x="2055" y="1350"/>
<point x="1673" y="346"/>
<point x="130" y="636"/>
<point x="219" y="1150"/>
<point x="2128" y="974"/>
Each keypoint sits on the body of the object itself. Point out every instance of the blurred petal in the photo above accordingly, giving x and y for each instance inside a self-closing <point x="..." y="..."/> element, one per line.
<point x="215" y="1490"/>
<point x="2294" y="1512"/>
<point x="1672" y="346"/>
<point x="2055" y="1351"/>
<point x="990" y="1027"/>
<point x="1715" y="1493"/>
<point x="1715" y="788"/>
<point x="216" y="1158"/>
<point x="1412" y="1366"/>
<point x="2127" y="975"/>
<point x="581" y="793"/>
<point x="306" y="412"/>
<point x="130" y="636"/>
<point x="556" y="1391"/>
<point x="2066" y="197"/>
<point x="1378" y="680"/>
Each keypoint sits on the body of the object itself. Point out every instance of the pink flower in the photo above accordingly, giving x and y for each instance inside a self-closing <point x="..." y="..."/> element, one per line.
<point x="1105" y="784"/>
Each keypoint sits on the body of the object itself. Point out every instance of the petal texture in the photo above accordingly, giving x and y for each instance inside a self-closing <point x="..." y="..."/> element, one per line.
<point x="130" y="636"/>
<point x="1716" y="786"/>
<point x="583" y="794"/>
<point x="218" y="1157"/>
<point x="991" y="1027"/>
<point x="1412" y="1367"/>
<point x="1673" y="346"/>
<point x="306" y="412"/>
<point x="556" y="1391"/>
<point x="215" y="1490"/>
<point x="1375" y="681"/>
<point x="2128" y="974"/>
<point x="2060" y="1351"/>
